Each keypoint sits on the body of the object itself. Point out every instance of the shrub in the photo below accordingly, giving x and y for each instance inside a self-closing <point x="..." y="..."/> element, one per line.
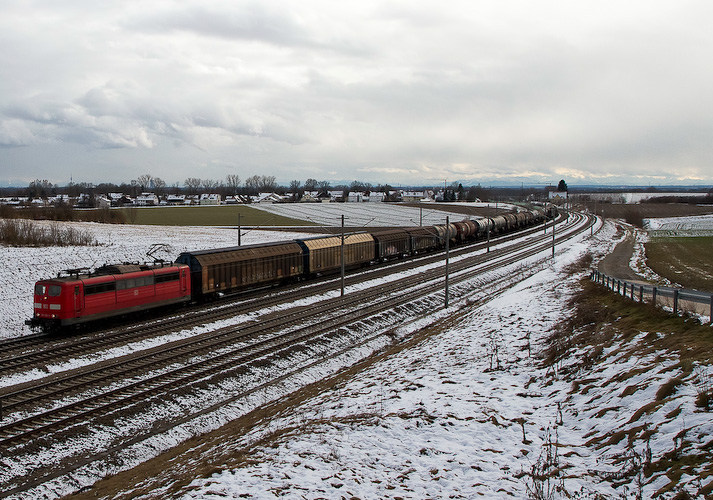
<point x="20" y="232"/>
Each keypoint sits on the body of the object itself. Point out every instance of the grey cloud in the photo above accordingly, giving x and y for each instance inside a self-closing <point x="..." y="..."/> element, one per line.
<point x="248" y="22"/>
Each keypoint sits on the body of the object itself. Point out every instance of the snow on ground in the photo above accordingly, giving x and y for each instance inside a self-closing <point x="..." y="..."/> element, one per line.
<point x="473" y="412"/>
<point x="370" y="214"/>
<point x="443" y="419"/>
<point x="701" y="225"/>
<point x="469" y="412"/>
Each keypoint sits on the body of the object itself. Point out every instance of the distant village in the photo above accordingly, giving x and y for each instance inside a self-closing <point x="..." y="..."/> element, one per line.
<point x="148" y="191"/>
<point x="152" y="199"/>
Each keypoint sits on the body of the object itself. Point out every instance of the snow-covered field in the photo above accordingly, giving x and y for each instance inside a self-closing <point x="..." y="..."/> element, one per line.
<point x="371" y="214"/>
<point x="470" y="412"/>
<point x="701" y="225"/>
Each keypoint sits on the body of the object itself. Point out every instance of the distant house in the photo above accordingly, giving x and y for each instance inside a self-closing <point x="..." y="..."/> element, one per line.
<point x="103" y="202"/>
<point x="59" y="199"/>
<point x="14" y="201"/>
<point x="336" y="195"/>
<point x="310" y="197"/>
<point x="356" y="197"/>
<point x="558" y="195"/>
<point x="376" y="197"/>
<point x="412" y="196"/>
<point x="146" y="200"/>
<point x="209" y="199"/>
<point x="175" y="199"/>
<point x="115" y="197"/>
<point x="84" y="200"/>
<point x="267" y="198"/>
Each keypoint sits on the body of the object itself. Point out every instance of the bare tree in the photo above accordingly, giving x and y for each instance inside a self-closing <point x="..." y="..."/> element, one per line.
<point x="323" y="185"/>
<point x="310" y="184"/>
<point x="144" y="181"/>
<point x="159" y="185"/>
<point x="267" y="183"/>
<point x="39" y="188"/>
<point x="295" y="190"/>
<point x="192" y="183"/>
<point x="252" y="184"/>
<point x="209" y="184"/>
<point x="233" y="182"/>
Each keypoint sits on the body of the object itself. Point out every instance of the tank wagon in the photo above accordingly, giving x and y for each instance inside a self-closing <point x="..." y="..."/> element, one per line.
<point x="123" y="289"/>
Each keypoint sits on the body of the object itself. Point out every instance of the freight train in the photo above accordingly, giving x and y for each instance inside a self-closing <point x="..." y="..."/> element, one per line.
<point x="80" y="296"/>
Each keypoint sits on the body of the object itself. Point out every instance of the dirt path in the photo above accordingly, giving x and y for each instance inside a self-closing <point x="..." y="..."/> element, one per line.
<point x="616" y="264"/>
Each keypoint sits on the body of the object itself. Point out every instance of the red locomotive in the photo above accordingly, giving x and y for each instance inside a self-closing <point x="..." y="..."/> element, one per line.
<point x="80" y="296"/>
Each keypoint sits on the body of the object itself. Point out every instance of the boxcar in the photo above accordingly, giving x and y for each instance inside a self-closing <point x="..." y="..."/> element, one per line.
<point x="392" y="243"/>
<point x="323" y="255"/>
<point x="229" y="269"/>
<point x="424" y="239"/>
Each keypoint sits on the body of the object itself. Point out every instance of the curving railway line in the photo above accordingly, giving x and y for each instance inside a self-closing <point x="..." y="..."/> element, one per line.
<point x="245" y="353"/>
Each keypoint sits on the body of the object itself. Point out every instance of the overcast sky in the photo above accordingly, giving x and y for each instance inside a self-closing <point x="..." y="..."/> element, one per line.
<point x="399" y="92"/>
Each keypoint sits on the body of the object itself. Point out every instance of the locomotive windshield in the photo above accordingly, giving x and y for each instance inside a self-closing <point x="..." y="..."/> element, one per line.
<point x="51" y="290"/>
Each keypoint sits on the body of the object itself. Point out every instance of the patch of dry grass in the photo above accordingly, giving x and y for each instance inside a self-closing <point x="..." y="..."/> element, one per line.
<point x="26" y="233"/>
<point x="686" y="261"/>
<point x="604" y="322"/>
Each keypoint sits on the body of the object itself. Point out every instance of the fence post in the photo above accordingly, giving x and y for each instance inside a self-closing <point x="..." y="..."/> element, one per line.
<point x="618" y="287"/>
<point x="653" y="296"/>
<point x="632" y="291"/>
<point x="675" y="302"/>
<point x="641" y="293"/>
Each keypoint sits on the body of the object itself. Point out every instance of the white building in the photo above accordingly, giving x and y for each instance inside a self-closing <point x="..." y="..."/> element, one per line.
<point x="209" y="199"/>
<point x="146" y="200"/>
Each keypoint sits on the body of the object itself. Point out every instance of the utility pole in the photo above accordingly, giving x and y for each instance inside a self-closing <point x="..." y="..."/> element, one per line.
<point x="342" y="255"/>
<point x="239" y="229"/>
<point x="447" y="253"/>
<point x="553" y="236"/>
<point x="490" y="221"/>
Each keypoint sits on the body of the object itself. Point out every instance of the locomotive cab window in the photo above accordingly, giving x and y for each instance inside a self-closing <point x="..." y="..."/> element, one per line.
<point x="51" y="290"/>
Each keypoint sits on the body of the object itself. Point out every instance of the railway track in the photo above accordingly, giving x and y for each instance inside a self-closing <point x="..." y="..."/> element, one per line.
<point x="30" y="351"/>
<point x="33" y="412"/>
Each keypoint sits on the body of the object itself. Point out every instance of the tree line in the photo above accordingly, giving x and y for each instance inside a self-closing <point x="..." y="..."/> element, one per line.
<point x="230" y="186"/>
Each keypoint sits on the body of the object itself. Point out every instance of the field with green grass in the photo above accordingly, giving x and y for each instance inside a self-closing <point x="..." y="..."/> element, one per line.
<point x="208" y="216"/>
<point x="686" y="261"/>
